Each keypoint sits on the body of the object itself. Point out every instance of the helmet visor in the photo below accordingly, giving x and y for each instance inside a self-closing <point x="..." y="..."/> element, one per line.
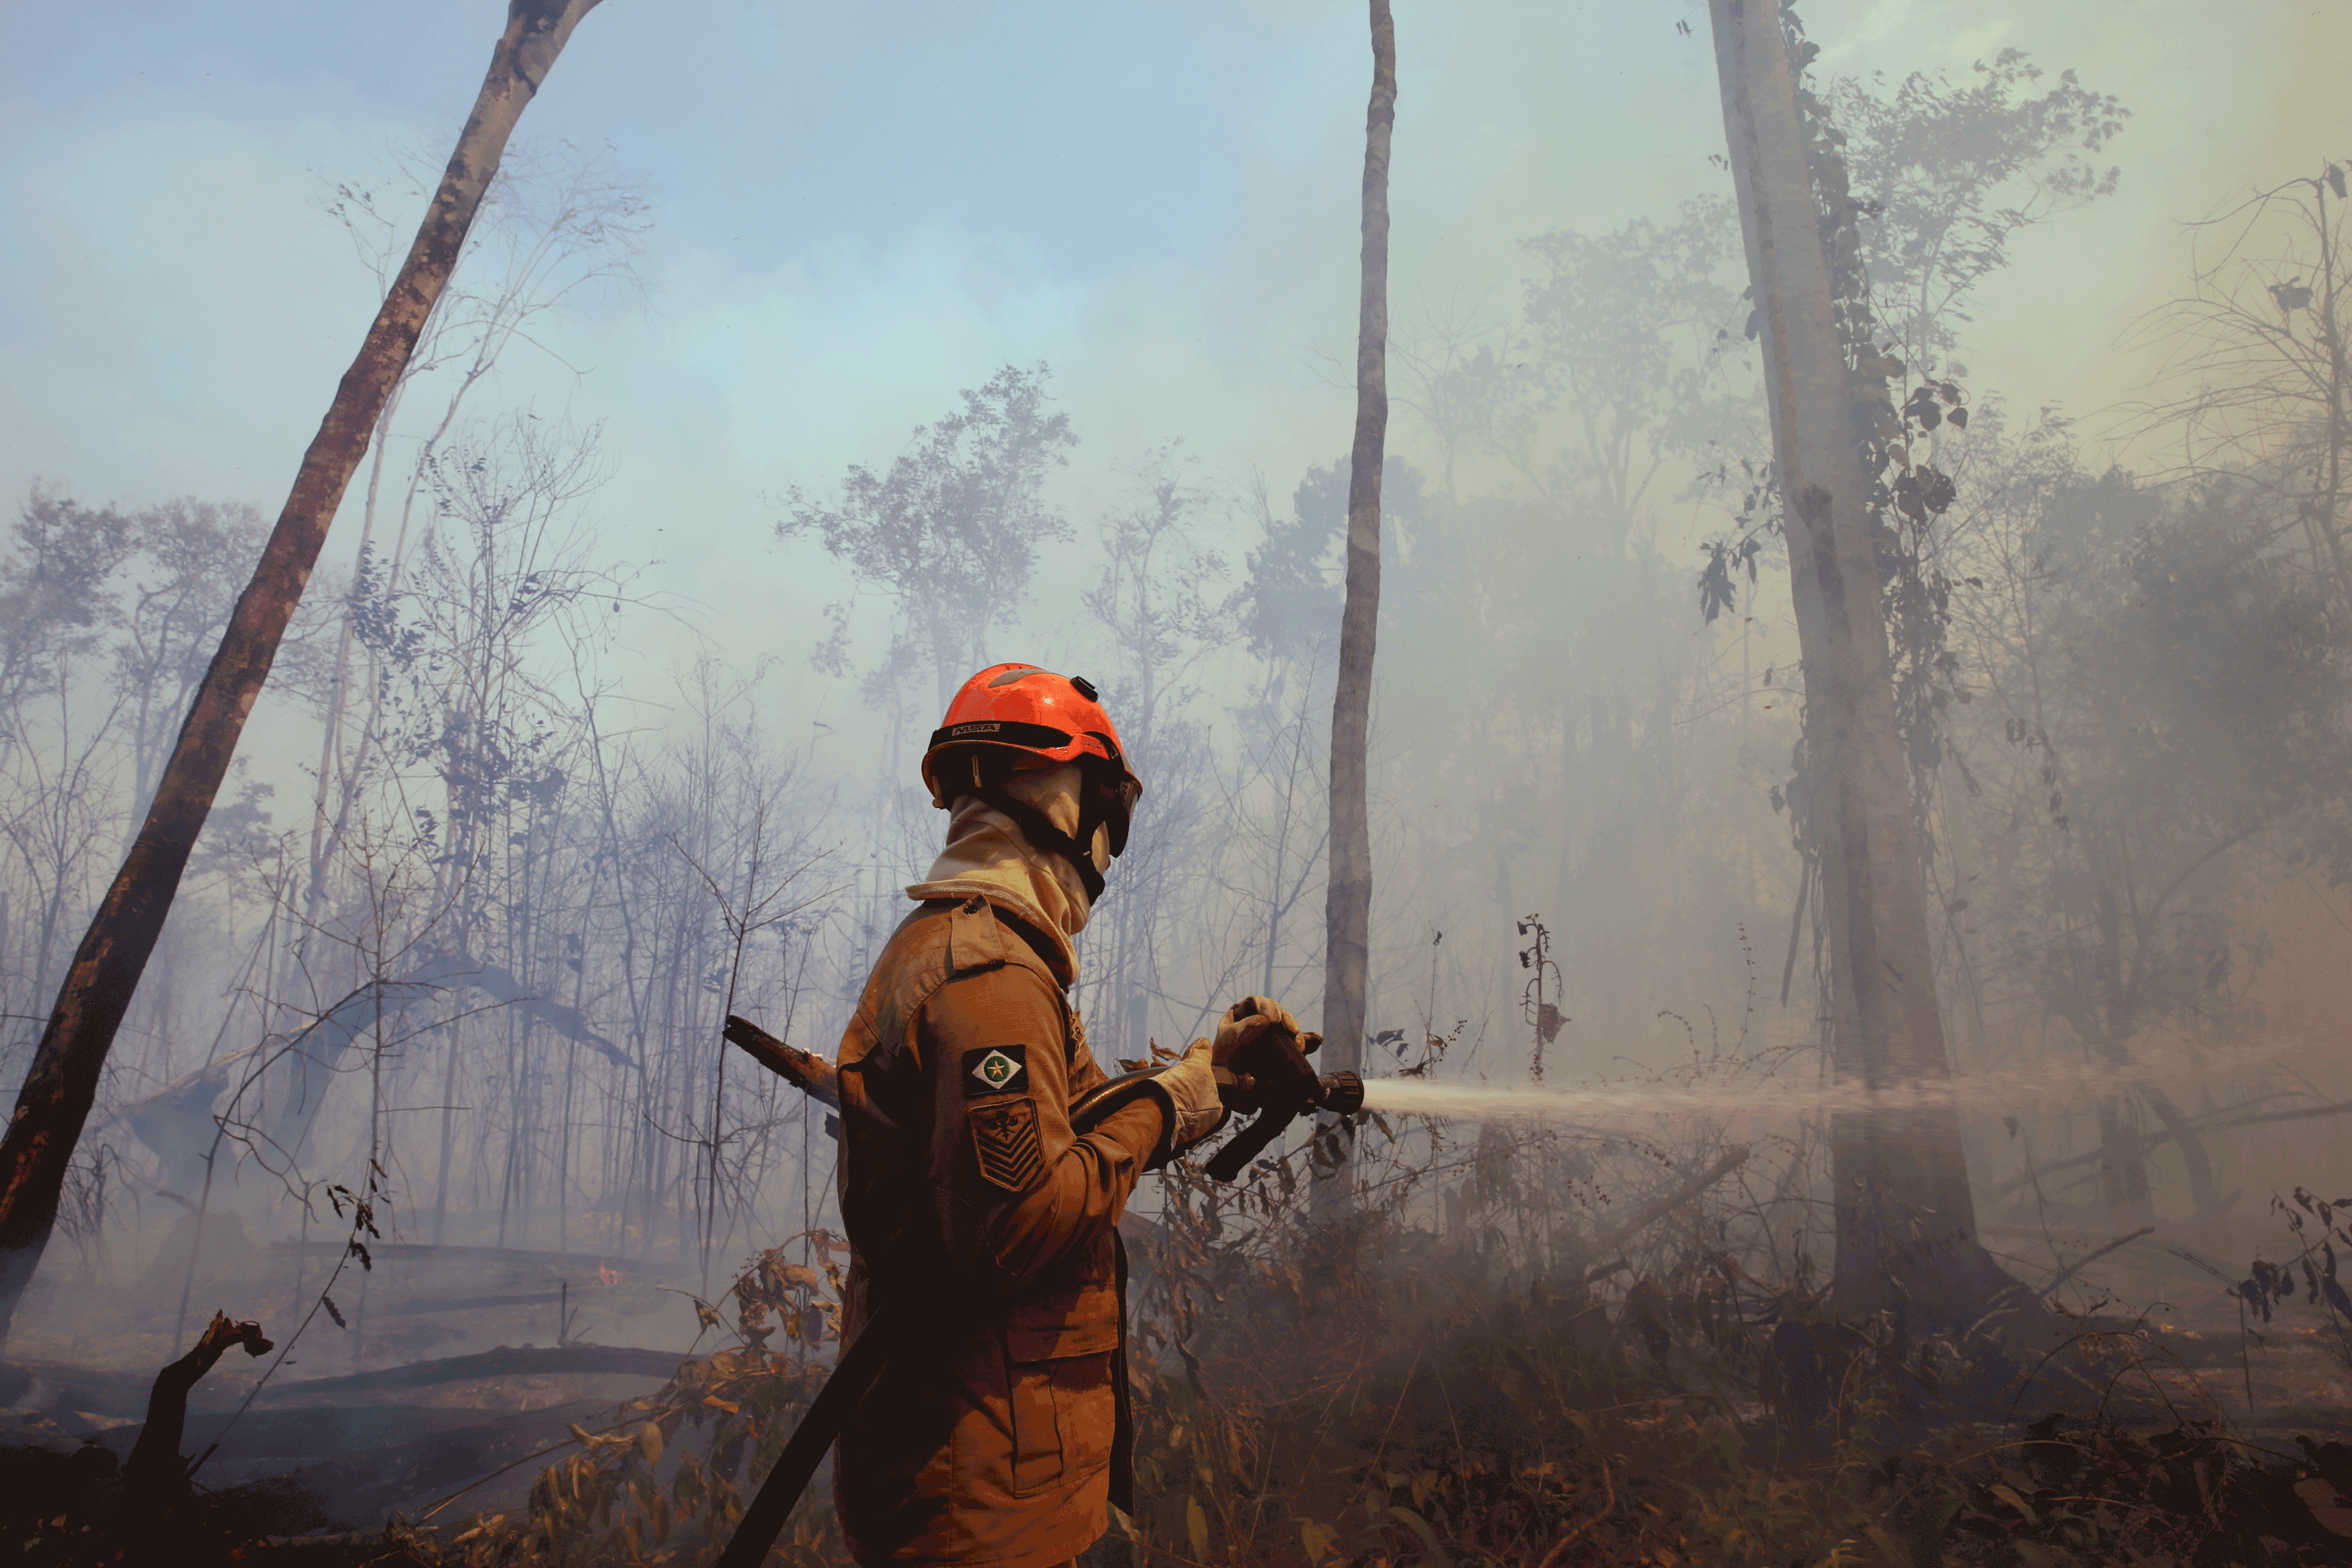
<point x="1111" y="795"/>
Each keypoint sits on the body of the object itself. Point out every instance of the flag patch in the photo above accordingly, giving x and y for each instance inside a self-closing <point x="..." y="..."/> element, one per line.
<point x="997" y="1070"/>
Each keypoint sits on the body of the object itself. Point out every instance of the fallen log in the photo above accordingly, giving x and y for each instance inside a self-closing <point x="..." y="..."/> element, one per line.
<point x="547" y="1264"/>
<point x="2089" y="1257"/>
<point x="155" y="1469"/>
<point x="504" y="1362"/>
<point x="1650" y="1214"/>
<point x="417" y="1308"/>
<point x="2221" y="1122"/>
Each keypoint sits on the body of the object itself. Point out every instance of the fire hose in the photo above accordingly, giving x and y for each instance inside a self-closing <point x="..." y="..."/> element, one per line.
<point x="1269" y="1076"/>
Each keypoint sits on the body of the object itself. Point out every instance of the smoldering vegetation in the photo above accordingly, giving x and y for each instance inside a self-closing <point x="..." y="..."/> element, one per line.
<point x="427" y="1077"/>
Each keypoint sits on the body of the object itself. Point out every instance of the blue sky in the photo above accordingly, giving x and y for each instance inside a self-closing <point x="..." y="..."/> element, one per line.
<point x="863" y="208"/>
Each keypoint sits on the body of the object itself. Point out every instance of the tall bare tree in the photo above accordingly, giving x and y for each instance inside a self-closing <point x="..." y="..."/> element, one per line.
<point x="1348" y="897"/>
<point x="1160" y="618"/>
<point x="56" y="1098"/>
<point x="1905" y="1217"/>
<point x="553" y="224"/>
<point x="2258" y="374"/>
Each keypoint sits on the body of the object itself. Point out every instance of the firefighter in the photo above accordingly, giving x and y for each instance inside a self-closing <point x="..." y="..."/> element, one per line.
<point x="982" y="1231"/>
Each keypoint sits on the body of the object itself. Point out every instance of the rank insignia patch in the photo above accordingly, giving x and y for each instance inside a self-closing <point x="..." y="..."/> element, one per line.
<point x="997" y="1070"/>
<point x="1005" y="1137"/>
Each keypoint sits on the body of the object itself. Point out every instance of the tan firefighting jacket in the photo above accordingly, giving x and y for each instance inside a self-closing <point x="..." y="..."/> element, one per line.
<point x="989" y="1438"/>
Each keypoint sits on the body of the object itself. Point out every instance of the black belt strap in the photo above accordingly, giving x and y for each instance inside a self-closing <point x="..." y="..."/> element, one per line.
<point x="1122" y="1435"/>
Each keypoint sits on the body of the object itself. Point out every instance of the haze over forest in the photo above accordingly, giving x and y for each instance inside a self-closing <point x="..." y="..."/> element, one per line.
<point x="601" y="719"/>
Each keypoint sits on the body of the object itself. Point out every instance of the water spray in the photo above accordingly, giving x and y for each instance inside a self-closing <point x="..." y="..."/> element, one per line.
<point x="1582" y="1102"/>
<point x="1272" y="1077"/>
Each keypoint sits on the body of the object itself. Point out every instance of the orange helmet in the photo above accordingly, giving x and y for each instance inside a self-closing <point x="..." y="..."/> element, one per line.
<point x="1010" y="707"/>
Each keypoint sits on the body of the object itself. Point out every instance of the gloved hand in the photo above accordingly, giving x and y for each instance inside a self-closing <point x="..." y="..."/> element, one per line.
<point x="1252" y="1016"/>
<point x="1260" y="1055"/>
<point x="1191" y="1082"/>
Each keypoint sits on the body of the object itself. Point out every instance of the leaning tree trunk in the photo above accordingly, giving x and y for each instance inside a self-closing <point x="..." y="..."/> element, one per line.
<point x="1906" y="1219"/>
<point x="1347" y="898"/>
<point x="55" y="1098"/>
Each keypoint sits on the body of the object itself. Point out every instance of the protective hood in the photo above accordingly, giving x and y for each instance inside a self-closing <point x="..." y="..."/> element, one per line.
<point x="987" y="853"/>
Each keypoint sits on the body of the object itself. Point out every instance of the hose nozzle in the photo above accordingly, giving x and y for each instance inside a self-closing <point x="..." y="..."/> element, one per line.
<point x="1343" y="1094"/>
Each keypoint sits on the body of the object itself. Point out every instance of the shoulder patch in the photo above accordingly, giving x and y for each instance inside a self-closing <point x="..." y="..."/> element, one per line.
<point x="997" y="1070"/>
<point x="1005" y="1138"/>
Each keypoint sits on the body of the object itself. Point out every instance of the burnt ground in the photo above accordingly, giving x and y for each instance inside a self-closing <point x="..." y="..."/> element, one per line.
<point x="448" y="1365"/>
<point x="2236" y="1429"/>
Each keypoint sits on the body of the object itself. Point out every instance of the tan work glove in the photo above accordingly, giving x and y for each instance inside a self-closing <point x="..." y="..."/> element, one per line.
<point x="1191" y="1084"/>
<point x="1251" y="1017"/>
<point x="1261" y="1055"/>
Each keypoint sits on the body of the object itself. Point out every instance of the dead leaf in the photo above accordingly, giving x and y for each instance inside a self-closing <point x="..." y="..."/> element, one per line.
<point x="2325" y="1504"/>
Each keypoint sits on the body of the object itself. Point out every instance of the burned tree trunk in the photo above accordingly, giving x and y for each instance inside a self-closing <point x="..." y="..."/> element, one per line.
<point x="155" y="1473"/>
<point x="1905" y="1218"/>
<point x="1347" y="898"/>
<point x="56" y="1098"/>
